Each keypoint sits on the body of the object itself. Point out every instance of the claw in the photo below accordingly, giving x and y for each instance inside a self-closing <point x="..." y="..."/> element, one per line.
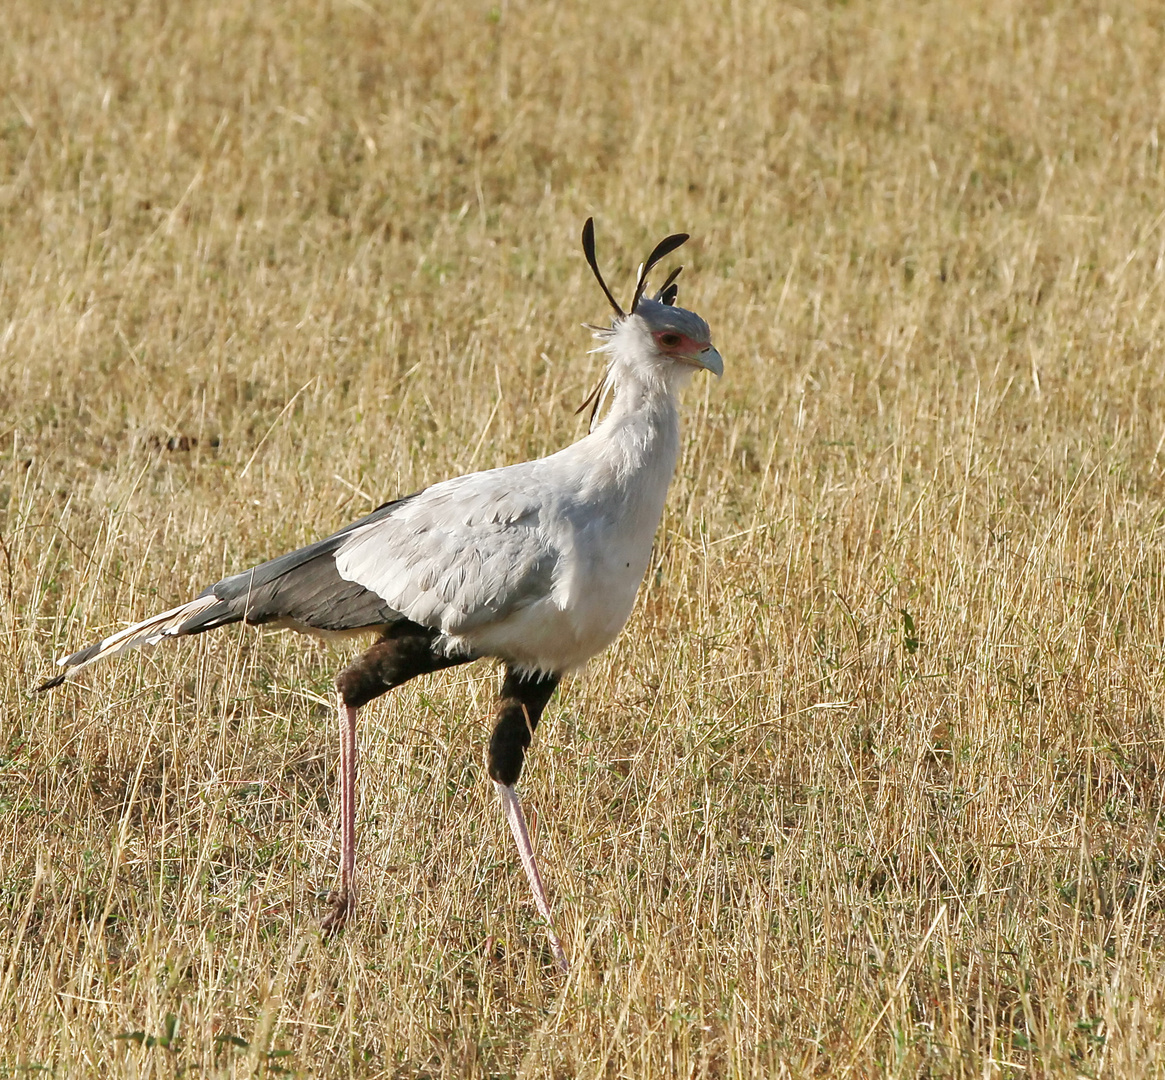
<point x="342" y="903"/>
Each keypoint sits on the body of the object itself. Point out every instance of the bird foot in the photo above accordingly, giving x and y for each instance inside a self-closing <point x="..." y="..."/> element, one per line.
<point x="342" y="903"/>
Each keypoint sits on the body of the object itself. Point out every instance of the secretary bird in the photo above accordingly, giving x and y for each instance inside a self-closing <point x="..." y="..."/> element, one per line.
<point x="536" y="564"/>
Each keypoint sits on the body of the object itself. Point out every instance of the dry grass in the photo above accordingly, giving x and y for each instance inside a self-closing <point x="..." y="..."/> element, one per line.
<point x="871" y="785"/>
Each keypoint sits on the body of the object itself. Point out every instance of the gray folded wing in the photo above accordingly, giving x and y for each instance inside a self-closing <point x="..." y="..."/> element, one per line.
<point x="463" y="554"/>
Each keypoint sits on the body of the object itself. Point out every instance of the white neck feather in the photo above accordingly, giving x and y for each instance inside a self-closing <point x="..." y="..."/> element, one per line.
<point x="640" y="432"/>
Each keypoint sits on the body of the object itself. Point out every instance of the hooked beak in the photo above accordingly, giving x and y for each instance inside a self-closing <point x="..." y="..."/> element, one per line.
<point x="710" y="360"/>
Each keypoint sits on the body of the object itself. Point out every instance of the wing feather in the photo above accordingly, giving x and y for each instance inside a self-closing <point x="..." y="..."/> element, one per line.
<point x="456" y="557"/>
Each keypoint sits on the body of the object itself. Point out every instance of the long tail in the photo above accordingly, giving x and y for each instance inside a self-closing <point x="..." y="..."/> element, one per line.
<point x="149" y="632"/>
<point x="302" y="589"/>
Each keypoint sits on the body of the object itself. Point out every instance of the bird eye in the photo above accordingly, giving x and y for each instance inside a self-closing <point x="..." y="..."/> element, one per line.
<point x="670" y="341"/>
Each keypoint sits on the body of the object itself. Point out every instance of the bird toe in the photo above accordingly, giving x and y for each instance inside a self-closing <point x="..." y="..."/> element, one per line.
<point x="341" y="902"/>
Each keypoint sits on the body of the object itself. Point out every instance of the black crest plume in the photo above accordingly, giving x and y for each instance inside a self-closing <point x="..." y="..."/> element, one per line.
<point x="588" y="243"/>
<point x="664" y="248"/>
<point x="669" y="290"/>
<point x="666" y="294"/>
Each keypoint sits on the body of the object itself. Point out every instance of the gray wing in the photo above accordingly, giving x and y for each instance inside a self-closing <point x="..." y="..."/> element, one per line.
<point x="462" y="554"/>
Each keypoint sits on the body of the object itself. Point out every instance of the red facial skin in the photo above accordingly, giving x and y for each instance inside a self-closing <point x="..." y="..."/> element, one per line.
<point x="678" y="345"/>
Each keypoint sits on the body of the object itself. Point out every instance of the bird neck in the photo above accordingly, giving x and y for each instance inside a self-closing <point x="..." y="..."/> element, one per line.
<point x="642" y="425"/>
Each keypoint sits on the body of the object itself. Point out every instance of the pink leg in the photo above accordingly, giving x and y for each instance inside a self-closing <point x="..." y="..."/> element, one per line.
<point x="343" y="898"/>
<point x="517" y="822"/>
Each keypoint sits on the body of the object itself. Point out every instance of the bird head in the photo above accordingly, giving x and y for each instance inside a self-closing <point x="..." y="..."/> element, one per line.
<point x="653" y="332"/>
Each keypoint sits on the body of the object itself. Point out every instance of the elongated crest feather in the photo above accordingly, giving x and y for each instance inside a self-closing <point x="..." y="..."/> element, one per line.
<point x="588" y="243"/>
<point x="664" y="248"/>
<point x="595" y="400"/>
<point x="668" y="291"/>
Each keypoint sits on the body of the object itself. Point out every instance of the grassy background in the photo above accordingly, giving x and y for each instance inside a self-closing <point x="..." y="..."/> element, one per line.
<point x="871" y="785"/>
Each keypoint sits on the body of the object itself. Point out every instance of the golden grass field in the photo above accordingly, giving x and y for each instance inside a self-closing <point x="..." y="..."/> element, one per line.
<point x="872" y="784"/>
